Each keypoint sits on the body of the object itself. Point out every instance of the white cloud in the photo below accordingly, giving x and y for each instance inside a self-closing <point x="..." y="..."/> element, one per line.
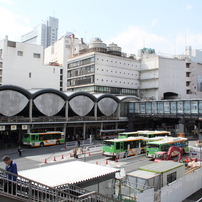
<point x="154" y="21"/>
<point x="135" y="38"/>
<point x="188" y="6"/>
<point x="13" y="25"/>
<point x="6" y="1"/>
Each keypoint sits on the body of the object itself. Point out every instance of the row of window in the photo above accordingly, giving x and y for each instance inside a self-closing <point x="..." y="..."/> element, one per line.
<point x="116" y="82"/>
<point x="117" y="72"/>
<point x="82" y="71"/>
<point x="105" y="89"/>
<point x="118" y="62"/>
<point x="166" y="107"/>
<point x="35" y="55"/>
<point x="81" y="62"/>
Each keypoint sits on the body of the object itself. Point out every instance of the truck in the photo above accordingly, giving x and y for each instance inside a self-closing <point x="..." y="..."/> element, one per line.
<point x="162" y="155"/>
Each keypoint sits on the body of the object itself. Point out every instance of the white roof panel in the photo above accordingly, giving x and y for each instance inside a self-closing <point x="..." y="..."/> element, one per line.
<point x="67" y="173"/>
<point x="143" y="174"/>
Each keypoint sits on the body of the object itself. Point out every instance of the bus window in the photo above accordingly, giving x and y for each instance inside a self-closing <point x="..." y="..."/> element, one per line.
<point x="26" y="135"/>
<point x="118" y="145"/>
<point x="109" y="144"/>
<point x="164" y="147"/>
<point x="33" y="137"/>
<point x="153" y="146"/>
<point x="41" y="137"/>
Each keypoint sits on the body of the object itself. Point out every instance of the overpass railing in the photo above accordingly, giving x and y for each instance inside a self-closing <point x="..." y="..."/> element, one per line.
<point x="28" y="190"/>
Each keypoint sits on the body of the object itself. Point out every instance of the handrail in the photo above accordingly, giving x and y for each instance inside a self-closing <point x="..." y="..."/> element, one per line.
<point x="29" y="190"/>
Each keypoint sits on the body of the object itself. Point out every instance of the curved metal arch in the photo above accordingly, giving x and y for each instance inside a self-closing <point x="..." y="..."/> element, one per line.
<point x="26" y="93"/>
<point x="50" y="90"/>
<point x="131" y="98"/>
<point x="108" y="95"/>
<point x="91" y="96"/>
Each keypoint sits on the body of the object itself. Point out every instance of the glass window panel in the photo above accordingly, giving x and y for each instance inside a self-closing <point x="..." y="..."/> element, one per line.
<point x="194" y="107"/>
<point x="173" y="107"/>
<point x="180" y="107"/>
<point x="187" y="107"/>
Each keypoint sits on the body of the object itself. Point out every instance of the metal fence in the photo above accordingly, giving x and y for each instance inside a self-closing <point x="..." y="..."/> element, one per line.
<point x="28" y="190"/>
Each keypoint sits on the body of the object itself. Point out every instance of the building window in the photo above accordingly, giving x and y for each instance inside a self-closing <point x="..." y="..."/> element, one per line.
<point x="1" y="64"/>
<point x="0" y="71"/>
<point x="171" y="177"/>
<point x="187" y="74"/>
<point x="20" y="53"/>
<point x="37" y="55"/>
<point x="30" y="75"/>
<point x="11" y="44"/>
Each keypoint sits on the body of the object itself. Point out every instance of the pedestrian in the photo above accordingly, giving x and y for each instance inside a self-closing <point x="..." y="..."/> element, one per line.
<point x="20" y="151"/>
<point x="10" y="184"/>
<point x="78" y="142"/>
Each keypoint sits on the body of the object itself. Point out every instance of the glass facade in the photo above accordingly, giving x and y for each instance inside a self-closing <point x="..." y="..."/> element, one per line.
<point x="166" y="107"/>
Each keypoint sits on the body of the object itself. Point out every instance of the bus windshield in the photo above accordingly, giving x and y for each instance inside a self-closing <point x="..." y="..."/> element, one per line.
<point x="156" y="146"/>
<point x="108" y="143"/>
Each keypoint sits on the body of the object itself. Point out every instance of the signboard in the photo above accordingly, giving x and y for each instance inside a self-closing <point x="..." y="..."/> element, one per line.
<point x="24" y="127"/>
<point x="13" y="127"/>
<point x="2" y="128"/>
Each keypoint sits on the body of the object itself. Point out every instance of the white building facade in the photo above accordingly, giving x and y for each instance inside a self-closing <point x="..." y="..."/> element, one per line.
<point x="21" y="64"/>
<point x="103" y="70"/>
<point x="170" y="78"/>
<point x="44" y="34"/>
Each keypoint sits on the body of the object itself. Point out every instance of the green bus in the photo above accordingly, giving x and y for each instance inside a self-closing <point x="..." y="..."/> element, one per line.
<point x="120" y="148"/>
<point x="127" y="134"/>
<point x="149" y="134"/>
<point x="43" y="139"/>
<point x="165" y="144"/>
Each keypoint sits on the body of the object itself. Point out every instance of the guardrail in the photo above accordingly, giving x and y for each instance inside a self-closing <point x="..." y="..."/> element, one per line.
<point x="28" y="190"/>
<point x="82" y="143"/>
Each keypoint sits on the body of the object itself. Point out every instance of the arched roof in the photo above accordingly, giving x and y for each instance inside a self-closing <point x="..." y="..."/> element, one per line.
<point x="128" y="98"/>
<point x="50" y="90"/>
<point x="107" y="95"/>
<point x="18" y="89"/>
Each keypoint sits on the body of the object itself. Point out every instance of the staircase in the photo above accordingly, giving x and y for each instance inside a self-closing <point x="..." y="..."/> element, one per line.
<point x="29" y="190"/>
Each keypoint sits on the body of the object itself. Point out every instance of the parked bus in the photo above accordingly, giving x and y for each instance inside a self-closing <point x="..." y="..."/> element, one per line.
<point x="109" y="134"/>
<point x="155" y="133"/>
<point x="165" y="144"/>
<point x="43" y="139"/>
<point x="124" y="147"/>
<point x="127" y="134"/>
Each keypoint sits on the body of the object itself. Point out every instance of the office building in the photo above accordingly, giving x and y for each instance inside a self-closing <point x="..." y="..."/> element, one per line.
<point x="44" y="34"/>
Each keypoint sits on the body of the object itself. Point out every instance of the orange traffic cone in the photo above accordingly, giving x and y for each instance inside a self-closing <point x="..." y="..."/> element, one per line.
<point x="96" y="162"/>
<point x="45" y="161"/>
<point x="89" y="154"/>
<point x="54" y="159"/>
<point x="70" y="154"/>
<point x="116" y="159"/>
<point x="62" y="157"/>
<point x="106" y="161"/>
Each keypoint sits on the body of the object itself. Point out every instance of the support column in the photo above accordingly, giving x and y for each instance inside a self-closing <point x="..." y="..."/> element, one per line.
<point x="66" y="110"/>
<point x="101" y="125"/>
<point x="30" y="110"/>
<point x="181" y="126"/>
<point x="64" y="130"/>
<point x="116" y="125"/>
<point x="84" y="131"/>
<point x="95" y="111"/>
<point x="119" y="110"/>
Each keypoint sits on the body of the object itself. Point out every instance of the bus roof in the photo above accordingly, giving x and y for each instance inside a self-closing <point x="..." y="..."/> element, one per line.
<point x="154" y="138"/>
<point x="48" y="132"/>
<point x="129" y="133"/>
<point x="152" y="132"/>
<point x="125" y="139"/>
<point x="169" y="140"/>
<point x="112" y="130"/>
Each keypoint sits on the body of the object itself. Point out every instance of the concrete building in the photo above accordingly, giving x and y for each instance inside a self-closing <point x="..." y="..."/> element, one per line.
<point x="103" y="69"/>
<point x="59" y="53"/>
<point x="176" y="77"/>
<point x="21" y="64"/>
<point x="44" y="34"/>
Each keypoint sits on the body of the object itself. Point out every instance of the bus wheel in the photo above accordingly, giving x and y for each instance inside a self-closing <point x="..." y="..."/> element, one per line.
<point x="41" y="144"/>
<point x="57" y="142"/>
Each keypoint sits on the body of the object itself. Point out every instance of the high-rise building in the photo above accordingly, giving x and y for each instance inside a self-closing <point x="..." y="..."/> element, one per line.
<point x="44" y="34"/>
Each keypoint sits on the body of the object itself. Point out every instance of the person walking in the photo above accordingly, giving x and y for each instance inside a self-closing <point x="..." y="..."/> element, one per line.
<point x="10" y="184"/>
<point x="19" y="151"/>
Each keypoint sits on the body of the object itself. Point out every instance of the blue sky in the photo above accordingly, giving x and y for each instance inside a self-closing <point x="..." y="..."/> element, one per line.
<point x="164" y="25"/>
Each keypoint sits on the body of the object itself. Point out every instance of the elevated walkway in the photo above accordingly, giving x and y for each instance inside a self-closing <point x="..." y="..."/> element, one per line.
<point x="29" y="190"/>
